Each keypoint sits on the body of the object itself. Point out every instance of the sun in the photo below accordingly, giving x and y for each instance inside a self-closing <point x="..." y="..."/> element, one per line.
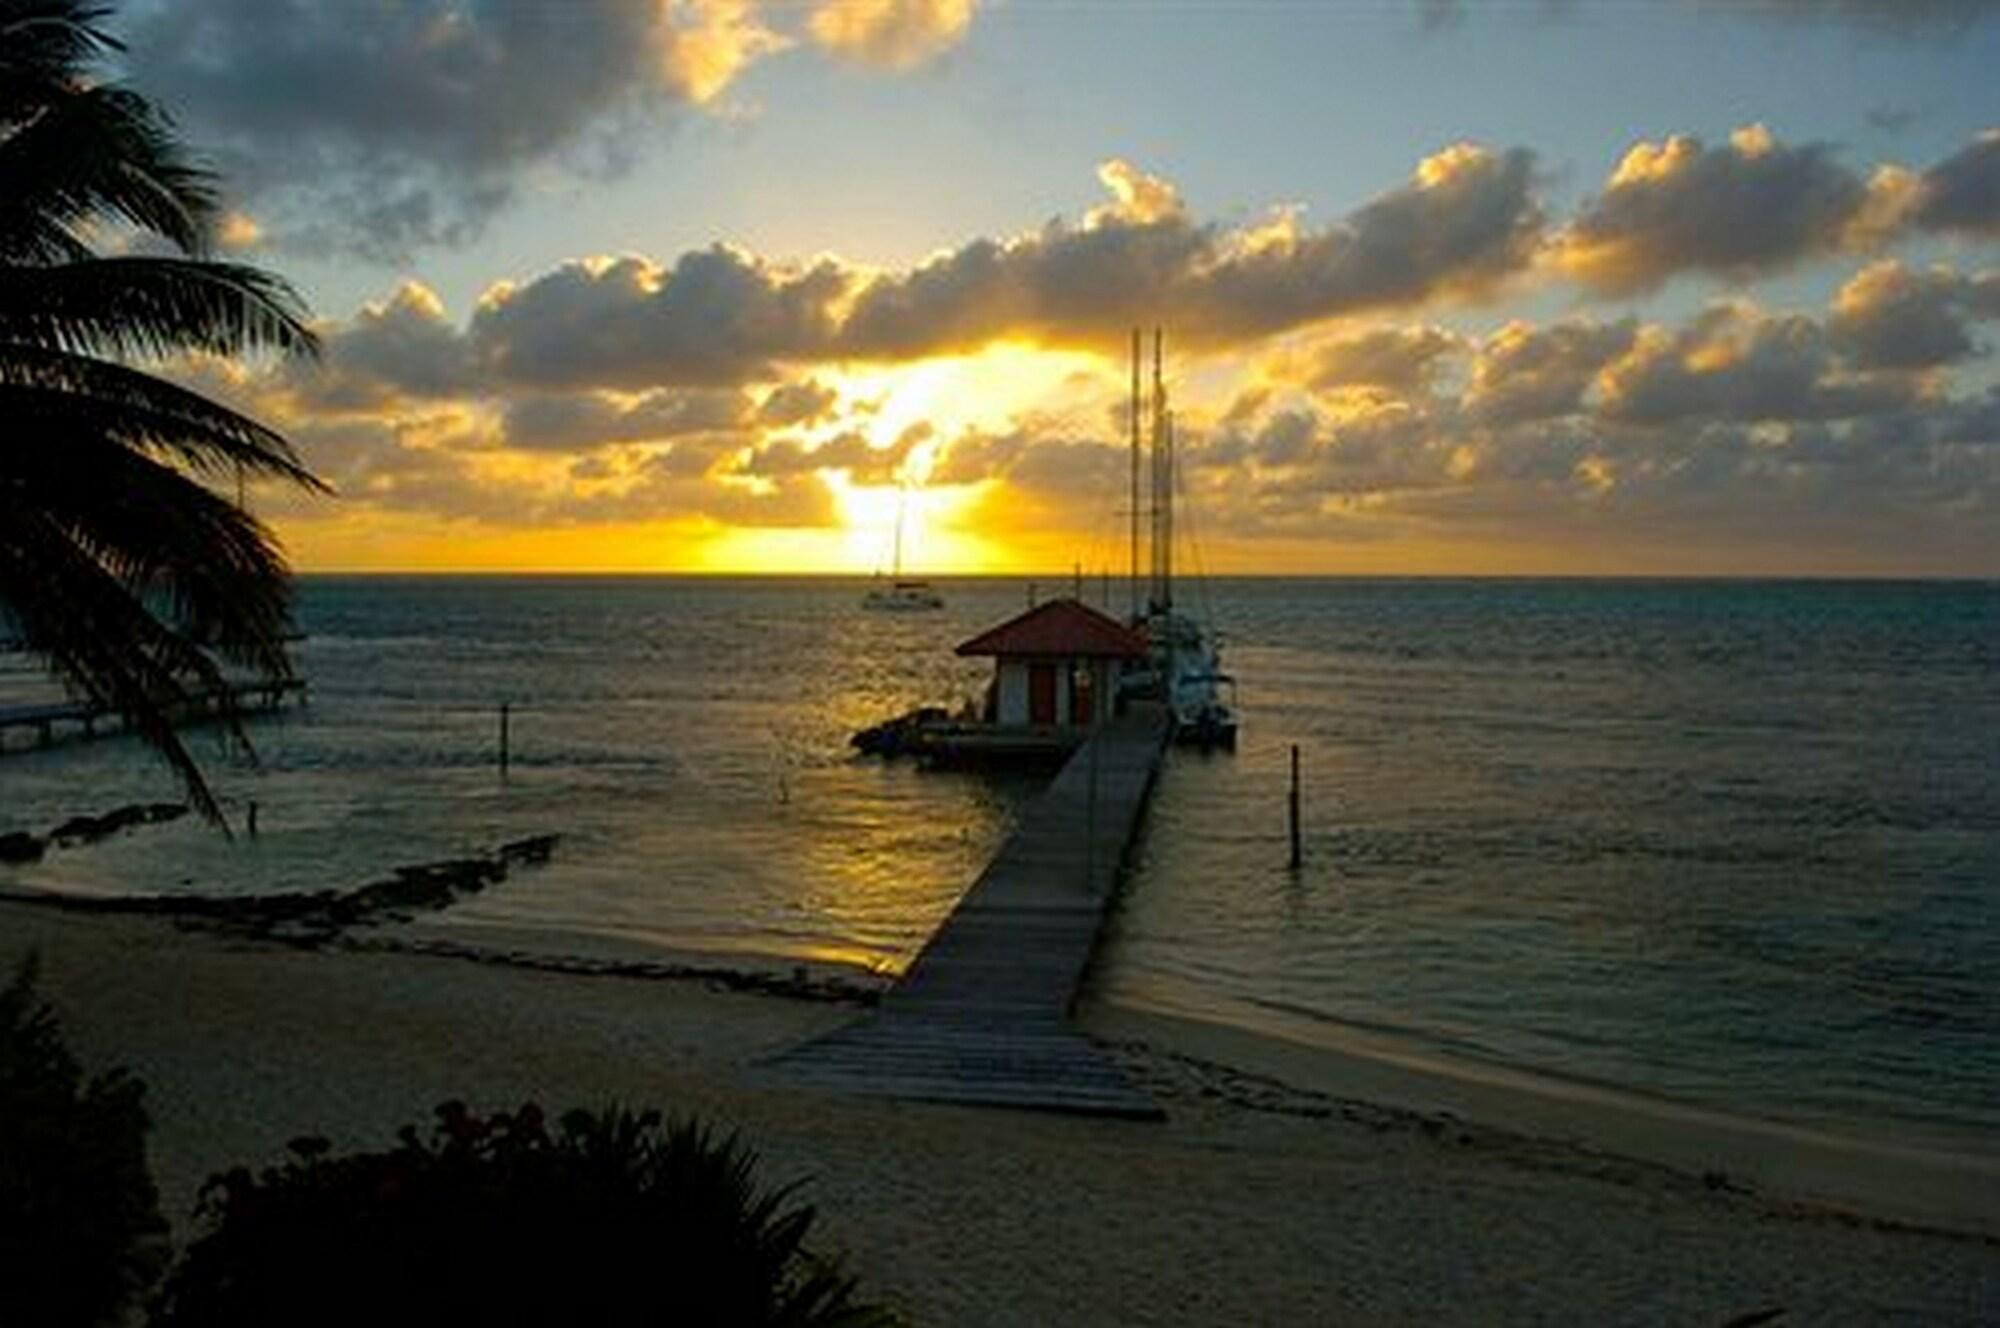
<point x="924" y="406"/>
<point x="987" y="391"/>
<point x="933" y="535"/>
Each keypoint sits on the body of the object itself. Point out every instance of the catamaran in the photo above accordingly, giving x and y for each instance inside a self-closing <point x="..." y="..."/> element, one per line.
<point x="902" y="594"/>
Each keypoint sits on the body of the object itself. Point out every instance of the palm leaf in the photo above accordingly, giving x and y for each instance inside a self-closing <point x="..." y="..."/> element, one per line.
<point x="152" y="307"/>
<point x="211" y="571"/>
<point x="116" y="564"/>
<point x="44" y="47"/>
<point x="99" y="636"/>
<point x="74" y="394"/>
<point x="97" y="153"/>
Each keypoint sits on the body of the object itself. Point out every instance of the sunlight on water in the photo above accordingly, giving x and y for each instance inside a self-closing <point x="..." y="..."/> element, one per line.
<point x="1737" y="843"/>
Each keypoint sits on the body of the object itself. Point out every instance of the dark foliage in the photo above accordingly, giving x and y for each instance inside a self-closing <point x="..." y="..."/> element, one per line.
<point x="80" y="1226"/>
<point x="120" y="563"/>
<point x="611" y="1219"/>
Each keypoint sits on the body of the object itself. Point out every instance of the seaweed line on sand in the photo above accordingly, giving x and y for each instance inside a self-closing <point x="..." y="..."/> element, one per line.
<point x="799" y="984"/>
<point x="1173" y="1076"/>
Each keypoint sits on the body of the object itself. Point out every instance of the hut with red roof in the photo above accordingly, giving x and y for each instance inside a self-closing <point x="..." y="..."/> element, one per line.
<point x="1056" y="665"/>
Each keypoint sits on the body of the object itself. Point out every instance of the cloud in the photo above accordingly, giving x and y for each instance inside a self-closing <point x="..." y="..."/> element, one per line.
<point x="1736" y="363"/>
<point x="850" y="451"/>
<point x="385" y="130"/>
<point x="722" y="316"/>
<point x="1892" y="120"/>
<point x="433" y="466"/>
<point x="1750" y="207"/>
<point x="237" y="231"/>
<point x="1899" y="18"/>
<point x="403" y="348"/>
<point x="1403" y="359"/>
<point x="1465" y="222"/>
<point x="401" y="128"/>
<point x="677" y="486"/>
<point x="805" y="402"/>
<point x="1523" y="372"/>
<point x="580" y="421"/>
<point x="1892" y="317"/>
<point x="718" y="316"/>
<point x="890" y="34"/>
<point x="1905" y="18"/>
<point x="705" y="44"/>
<point x="1773" y="429"/>
<point x="1962" y="192"/>
<point x="1138" y="198"/>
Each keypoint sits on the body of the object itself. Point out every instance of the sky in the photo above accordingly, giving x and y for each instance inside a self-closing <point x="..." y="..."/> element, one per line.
<point x="1656" y="287"/>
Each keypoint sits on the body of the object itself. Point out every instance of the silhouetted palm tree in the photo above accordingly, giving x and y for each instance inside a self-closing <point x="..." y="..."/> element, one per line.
<point x="117" y="565"/>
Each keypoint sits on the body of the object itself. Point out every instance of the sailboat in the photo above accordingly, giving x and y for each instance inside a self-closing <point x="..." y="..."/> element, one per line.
<point x="902" y="594"/>
<point x="1185" y="668"/>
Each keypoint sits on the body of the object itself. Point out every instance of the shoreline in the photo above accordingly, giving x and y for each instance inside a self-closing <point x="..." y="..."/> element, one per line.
<point x="1273" y="1192"/>
<point x="1263" y="1066"/>
<point x="1815" y="1169"/>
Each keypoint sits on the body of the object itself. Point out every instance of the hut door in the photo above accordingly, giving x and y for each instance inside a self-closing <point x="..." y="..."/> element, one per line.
<point x="1082" y="692"/>
<point x="1041" y="693"/>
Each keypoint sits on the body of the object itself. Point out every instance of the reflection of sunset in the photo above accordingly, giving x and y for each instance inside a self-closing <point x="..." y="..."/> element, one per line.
<point x="853" y="550"/>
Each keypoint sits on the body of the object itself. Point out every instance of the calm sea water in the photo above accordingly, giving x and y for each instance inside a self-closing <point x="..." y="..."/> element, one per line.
<point x="1735" y="843"/>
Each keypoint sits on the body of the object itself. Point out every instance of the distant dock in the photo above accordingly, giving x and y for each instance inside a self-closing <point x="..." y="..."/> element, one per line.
<point x="83" y="718"/>
<point x="982" y="1016"/>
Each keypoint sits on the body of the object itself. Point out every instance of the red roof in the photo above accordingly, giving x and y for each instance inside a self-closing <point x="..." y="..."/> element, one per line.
<point x="1059" y="627"/>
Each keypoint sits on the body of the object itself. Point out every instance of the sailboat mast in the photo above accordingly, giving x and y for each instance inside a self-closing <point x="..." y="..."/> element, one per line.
<point x="1137" y="352"/>
<point x="1160" y="493"/>
<point x="1167" y="521"/>
<point x="902" y="497"/>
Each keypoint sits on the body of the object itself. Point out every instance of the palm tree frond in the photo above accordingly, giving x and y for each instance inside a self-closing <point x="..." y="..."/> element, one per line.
<point x="75" y="395"/>
<point x="210" y="571"/>
<point x="45" y="45"/>
<point x="152" y="307"/>
<point x="100" y="637"/>
<point x="99" y="152"/>
<point x="129" y="578"/>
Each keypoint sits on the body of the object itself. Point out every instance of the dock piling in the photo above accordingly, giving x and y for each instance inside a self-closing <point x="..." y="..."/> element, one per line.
<point x="1292" y="807"/>
<point x="503" y="739"/>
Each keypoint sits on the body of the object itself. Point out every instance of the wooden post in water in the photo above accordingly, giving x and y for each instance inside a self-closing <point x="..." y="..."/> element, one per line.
<point x="1292" y="805"/>
<point x="503" y="739"/>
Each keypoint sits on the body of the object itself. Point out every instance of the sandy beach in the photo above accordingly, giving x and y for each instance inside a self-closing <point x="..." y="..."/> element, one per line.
<point x="1288" y="1184"/>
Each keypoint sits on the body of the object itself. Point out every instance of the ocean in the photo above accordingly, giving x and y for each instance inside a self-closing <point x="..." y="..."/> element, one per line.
<point x="1732" y="843"/>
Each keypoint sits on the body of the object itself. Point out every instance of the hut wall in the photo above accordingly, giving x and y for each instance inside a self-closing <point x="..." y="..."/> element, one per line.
<point x="1013" y="701"/>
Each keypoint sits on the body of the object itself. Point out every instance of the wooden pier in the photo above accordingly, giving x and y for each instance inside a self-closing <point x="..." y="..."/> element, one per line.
<point x="982" y="1016"/>
<point x="84" y="717"/>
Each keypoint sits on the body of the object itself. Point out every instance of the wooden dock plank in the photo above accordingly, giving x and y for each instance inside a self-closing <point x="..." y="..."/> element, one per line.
<point x="981" y="1016"/>
<point x="43" y="716"/>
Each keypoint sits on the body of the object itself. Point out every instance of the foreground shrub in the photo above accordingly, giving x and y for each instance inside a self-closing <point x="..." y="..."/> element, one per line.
<point x="612" y="1219"/>
<point x="80" y="1226"/>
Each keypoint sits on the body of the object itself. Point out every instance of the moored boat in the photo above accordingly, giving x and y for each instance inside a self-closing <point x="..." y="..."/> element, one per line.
<point x="901" y="594"/>
<point x="1184" y="664"/>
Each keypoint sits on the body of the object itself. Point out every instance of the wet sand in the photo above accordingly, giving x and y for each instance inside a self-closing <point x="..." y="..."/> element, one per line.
<point x="1288" y="1185"/>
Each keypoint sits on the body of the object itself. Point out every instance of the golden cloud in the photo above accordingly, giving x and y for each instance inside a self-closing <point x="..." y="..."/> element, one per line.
<point x="705" y="44"/>
<point x="890" y="34"/>
<point x="1138" y="199"/>
<point x="1752" y="206"/>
